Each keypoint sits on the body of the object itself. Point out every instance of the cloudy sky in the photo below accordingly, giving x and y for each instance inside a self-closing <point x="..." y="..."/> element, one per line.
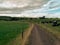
<point x="30" y="8"/>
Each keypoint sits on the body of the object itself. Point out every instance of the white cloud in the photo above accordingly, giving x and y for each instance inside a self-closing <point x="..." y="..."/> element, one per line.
<point x="51" y="5"/>
<point x="45" y="10"/>
<point x="9" y="4"/>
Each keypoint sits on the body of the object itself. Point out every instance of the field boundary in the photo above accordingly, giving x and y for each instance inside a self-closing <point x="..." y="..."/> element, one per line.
<point x="18" y="39"/>
<point x="27" y="34"/>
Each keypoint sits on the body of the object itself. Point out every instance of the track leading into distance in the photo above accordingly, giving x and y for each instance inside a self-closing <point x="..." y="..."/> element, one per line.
<point x="42" y="37"/>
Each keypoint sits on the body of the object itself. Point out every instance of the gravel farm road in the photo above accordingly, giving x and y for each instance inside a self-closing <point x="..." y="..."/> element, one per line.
<point x="42" y="37"/>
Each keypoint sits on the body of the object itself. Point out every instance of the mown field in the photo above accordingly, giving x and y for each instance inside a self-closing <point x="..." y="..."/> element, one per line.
<point x="10" y="29"/>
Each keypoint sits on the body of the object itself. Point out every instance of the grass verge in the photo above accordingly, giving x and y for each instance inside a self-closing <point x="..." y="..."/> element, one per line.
<point x="51" y="29"/>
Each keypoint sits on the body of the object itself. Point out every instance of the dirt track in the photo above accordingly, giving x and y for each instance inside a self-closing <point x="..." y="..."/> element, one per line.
<point x="42" y="37"/>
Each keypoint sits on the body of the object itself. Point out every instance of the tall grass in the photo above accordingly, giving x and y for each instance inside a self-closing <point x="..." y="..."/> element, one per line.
<point x="10" y="29"/>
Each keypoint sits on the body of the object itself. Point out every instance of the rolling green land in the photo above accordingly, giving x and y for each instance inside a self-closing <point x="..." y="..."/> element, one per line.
<point x="10" y="29"/>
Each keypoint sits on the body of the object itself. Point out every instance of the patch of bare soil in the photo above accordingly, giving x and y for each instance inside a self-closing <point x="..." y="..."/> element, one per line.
<point x="42" y="37"/>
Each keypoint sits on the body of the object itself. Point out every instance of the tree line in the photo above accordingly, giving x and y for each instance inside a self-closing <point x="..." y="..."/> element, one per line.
<point x="8" y="18"/>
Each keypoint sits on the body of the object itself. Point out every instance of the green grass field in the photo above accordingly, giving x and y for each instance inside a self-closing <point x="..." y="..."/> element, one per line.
<point x="10" y="29"/>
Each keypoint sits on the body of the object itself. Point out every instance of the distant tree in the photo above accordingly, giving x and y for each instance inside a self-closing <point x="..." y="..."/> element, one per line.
<point x="42" y="17"/>
<point x="54" y="23"/>
<point x="14" y="19"/>
<point x="5" y="18"/>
